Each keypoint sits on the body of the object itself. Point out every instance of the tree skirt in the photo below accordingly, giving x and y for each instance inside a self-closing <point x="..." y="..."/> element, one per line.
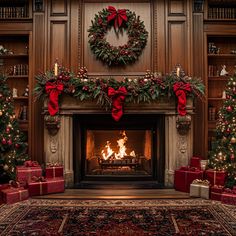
<point x="117" y="217"/>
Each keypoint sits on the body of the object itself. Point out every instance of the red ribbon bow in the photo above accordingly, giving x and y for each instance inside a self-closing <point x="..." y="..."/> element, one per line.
<point x="118" y="97"/>
<point x="117" y="15"/>
<point x="180" y="90"/>
<point x="53" y="89"/>
<point x="31" y="164"/>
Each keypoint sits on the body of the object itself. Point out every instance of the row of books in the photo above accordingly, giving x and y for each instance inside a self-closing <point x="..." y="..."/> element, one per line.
<point x="13" y="12"/>
<point x="211" y="113"/>
<point x="213" y="71"/>
<point x="21" y="112"/>
<point x="221" y="13"/>
<point x="19" y="69"/>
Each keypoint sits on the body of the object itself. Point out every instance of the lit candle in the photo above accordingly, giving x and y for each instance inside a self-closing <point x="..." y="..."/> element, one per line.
<point x="177" y="71"/>
<point x="56" y="69"/>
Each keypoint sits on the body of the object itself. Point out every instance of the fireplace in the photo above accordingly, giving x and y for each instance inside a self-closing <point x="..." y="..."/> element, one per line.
<point x="160" y="152"/>
<point x="131" y="150"/>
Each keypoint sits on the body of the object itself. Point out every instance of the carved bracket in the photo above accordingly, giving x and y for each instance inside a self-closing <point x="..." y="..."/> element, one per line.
<point x="183" y="124"/>
<point x="52" y="124"/>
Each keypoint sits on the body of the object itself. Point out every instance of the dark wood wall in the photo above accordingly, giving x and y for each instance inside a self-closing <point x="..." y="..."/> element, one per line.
<point x="60" y="32"/>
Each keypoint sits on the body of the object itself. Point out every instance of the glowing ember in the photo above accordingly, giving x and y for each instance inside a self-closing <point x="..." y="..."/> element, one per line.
<point x="107" y="152"/>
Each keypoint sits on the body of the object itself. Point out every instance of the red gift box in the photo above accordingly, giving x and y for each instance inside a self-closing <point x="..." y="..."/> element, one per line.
<point x="2" y="187"/>
<point x="228" y="198"/>
<point x="54" y="171"/>
<point x="184" y="177"/>
<point x="13" y="195"/>
<point x="216" y="177"/>
<point x="216" y="192"/>
<point x="195" y="162"/>
<point x="24" y="174"/>
<point x="37" y="188"/>
<point x="55" y="185"/>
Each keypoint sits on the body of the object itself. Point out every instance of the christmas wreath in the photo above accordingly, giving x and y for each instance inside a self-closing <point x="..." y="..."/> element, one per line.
<point x="112" y="94"/>
<point x="121" y="19"/>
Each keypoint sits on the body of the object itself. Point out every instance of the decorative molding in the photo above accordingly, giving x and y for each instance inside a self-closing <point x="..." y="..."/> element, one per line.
<point x="198" y="6"/>
<point x="80" y="33"/>
<point x="38" y="5"/>
<point x="53" y="144"/>
<point x="155" y="37"/>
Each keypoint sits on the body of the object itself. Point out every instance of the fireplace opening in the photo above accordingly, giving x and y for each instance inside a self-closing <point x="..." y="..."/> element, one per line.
<point x="131" y="150"/>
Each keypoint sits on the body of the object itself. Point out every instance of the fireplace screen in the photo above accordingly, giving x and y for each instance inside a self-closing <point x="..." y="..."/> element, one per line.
<point x="118" y="152"/>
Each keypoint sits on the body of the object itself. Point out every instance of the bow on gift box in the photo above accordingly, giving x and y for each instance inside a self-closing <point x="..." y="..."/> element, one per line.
<point x="53" y="164"/>
<point x="54" y="90"/>
<point x="14" y="184"/>
<point x="180" y="89"/>
<point x="31" y="164"/>
<point x="118" y="97"/>
<point x="38" y="179"/>
<point x="201" y="182"/>
<point x="117" y="15"/>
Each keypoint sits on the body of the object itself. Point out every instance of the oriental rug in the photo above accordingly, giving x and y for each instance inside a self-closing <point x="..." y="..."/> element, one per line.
<point x="117" y="218"/>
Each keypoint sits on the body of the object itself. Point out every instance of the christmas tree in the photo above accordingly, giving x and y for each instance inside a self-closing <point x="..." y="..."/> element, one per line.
<point x="223" y="154"/>
<point x="12" y="145"/>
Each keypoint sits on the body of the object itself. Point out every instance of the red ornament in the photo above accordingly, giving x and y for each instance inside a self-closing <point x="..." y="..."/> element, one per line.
<point x="229" y="109"/>
<point x="4" y="141"/>
<point x="17" y="145"/>
<point x="7" y="130"/>
<point x="9" y="142"/>
<point x="232" y="156"/>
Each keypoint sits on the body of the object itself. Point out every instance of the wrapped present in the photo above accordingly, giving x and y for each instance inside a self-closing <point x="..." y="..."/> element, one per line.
<point x="54" y="171"/>
<point x="195" y="162"/>
<point x="13" y="195"/>
<point x="216" y="192"/>
<point x="216" y="177"/>
<point x="55" y="185"/>
<point x="229" y="196"/>
<point x="24" y="174"/>
<point x="2" y="187"/>
<point x="200" y="188"/>
<point x="185" y="176"/>
<point x="38" y="187"/>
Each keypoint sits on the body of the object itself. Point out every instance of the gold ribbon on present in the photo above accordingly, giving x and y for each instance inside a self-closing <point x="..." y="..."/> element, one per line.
<point x="201" y="182"/>
<point x="53" y="164"/>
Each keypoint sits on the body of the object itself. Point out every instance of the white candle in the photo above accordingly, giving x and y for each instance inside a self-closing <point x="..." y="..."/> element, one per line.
<point x="177" y="71"/>
<point x="56" y="69"/>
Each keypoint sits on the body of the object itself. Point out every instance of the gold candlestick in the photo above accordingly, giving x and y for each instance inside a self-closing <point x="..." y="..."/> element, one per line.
<point x="177" y="71"/>
<point x="56" y="69"/>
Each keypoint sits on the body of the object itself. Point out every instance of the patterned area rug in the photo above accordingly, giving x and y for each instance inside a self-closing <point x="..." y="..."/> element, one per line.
<point x="117" y="217"/>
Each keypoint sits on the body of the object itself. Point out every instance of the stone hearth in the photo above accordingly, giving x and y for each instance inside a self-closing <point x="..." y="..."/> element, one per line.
<point x="59" y="147"/>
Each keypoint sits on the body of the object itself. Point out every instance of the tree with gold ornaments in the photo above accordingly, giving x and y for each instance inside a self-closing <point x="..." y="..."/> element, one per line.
<point x="12" y="146"/>
<point x="223" y="155"/>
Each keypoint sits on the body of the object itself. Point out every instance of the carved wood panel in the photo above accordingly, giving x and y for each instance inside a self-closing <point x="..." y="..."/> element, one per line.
<point x="58" y="8"/>
<point x="59" y="47"/>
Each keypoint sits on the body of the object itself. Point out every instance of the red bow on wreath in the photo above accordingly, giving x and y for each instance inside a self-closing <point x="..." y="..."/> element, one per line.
<point x="118" y="97"/>
<point x="53" y="89"/>
<point x="117" y="15"/>
<point x="180" y="90"/>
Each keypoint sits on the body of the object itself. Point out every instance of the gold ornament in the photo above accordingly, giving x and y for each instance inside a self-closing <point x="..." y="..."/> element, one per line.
<point x="233" y="140"/>
<point x="0" y="113"/>
<point x="6" y="167"/>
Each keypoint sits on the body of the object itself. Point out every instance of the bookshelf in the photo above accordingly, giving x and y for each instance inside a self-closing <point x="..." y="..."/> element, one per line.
<point x="14" y="63"/>
<point x="15" y="9"/>
<point x="220" y="59"/>
<point x="223" y="10"/>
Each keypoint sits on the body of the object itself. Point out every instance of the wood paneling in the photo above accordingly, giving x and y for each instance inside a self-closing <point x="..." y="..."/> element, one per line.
<point x="58" y="8"/>
<point x="177" y="45"/>
<point x="39" y="60"/>
<point x="59" y="47"/>
<point x="98" y="68"/>
<point x="176" y="7"/>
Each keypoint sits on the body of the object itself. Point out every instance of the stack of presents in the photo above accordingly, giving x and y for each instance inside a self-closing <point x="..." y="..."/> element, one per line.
<point x="207" y="184"/>
<point x="30" y="181"/>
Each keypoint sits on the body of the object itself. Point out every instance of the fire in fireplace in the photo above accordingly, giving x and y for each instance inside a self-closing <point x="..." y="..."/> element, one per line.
<point x="129" y="150"/>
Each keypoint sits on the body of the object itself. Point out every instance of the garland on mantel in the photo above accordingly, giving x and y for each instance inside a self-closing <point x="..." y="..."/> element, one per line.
<point x="112" y="94"/>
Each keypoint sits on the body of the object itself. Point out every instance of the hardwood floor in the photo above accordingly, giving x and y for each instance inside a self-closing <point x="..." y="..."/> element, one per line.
<point x="117" y="194"/>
